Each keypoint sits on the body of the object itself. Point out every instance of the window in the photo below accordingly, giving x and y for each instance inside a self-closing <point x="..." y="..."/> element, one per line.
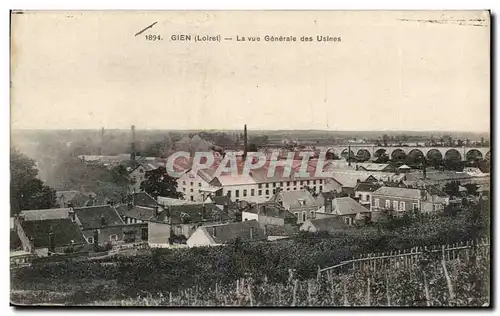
<point x="245" y="192"/>
<point x="267" y="185"/>
<point x="191" y="183"/>
<point x="113" y="237"/>
<point x="294" y="183"/>
<point x="288" y="183"/>
<point x="402" y="206"/>
<point x="144" y="233"/>
<point x="296" y="214"/>
<point x="184" y="182"/>
<point x="348" y="221"/>
<point x="314" y="182"/>
<point x="377" y="202"/>
<point x="307" y="182"/>
<point x="433" y="207"/>
<point x="320" y="188"/>
<point x="267" y="192"/>
<point x="260" y="192"/>
<point x="274" y="191"/>
<point x="191" y="198"/>
<point x="274" y="184"/>
<point x="260" y="185"/>
<point x="191" y="190"/>
<point x="304" y="216"/>
<point x="301" y="182"/>
<point x="237" y="193"/>
<point x="184" y="189"/>
<point x="199" y="184"/>
<point x="90" y="240"/>
<point x="414" y="206"/>
<point x="387" y="204"/>
<point x="395" y="205"/>
<point x="252" y="192"/>
<point x="229" y="193"/>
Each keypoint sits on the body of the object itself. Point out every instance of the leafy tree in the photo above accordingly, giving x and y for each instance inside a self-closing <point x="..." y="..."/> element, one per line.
<point x="452" y="188"/>
<point x="26" y="190"/>
<point x="159" y="183"/>
<point x="471" y="188"/>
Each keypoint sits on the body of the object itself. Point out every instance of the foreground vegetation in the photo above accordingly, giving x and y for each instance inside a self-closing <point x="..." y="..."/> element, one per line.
<point x="199" y="269"/>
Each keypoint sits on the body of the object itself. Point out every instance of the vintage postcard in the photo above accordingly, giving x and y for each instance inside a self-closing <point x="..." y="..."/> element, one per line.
<point x="250" y="158"/>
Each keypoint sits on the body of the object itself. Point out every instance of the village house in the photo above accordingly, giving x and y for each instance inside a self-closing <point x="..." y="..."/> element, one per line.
<point x="268" y="214"/>
<point x="363" y="192"/>
<point x="100" y="224"/>
<point x="346" y="209"/>
<point x="196" y="185"/>
<point x="374" y="167"/>
<point x="45" y="234"/>
<point x="328" y="224"/>
<point x="222" y="234"/>
<point x="301" y="203"/>
<point x="347" y="180"/>
<point x="401" y="200"/>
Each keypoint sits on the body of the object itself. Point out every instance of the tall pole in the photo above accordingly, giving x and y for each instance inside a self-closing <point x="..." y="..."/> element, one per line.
<point x="132" y="147"/>
<point x="245" y="143"/>
<point x="349" y="155"/>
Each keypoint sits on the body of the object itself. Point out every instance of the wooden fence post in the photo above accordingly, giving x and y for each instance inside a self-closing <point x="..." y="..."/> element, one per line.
<point x="387" y="291"/>
<point x="448" y="280"/>
<point x="426" y="288"/>
<point x="294" y="301"/>
<point x="368" y="292"/>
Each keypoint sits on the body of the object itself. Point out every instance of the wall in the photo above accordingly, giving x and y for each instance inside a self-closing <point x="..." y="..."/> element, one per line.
<point x="139" y="177"/>
<point x="308" y="227"/>
<point x="407" y="207"/>
<point x="332" y="185"/>
<point x="269" y="220"/>
<point x="158" y="233"/>
<point x="105" y="233"/>
<point x="192" y="182"/>
<point x="199" y="238"/>
<point x="248" y="216"/>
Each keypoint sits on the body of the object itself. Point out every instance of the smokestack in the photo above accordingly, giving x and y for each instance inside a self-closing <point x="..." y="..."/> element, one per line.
<point x="245" y="142"/>
<point x="102" y="141"/>
<point x="132" y="147"/>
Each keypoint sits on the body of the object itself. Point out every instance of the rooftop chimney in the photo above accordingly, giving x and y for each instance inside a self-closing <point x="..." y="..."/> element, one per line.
<point x="245" y="142"/>
<point x="52" y="243"/>
<point x="103" y="221"/>
<point x="132" y="147"/>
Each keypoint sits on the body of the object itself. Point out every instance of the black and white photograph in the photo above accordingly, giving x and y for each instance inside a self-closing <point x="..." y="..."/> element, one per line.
<point x="250" y="158"/>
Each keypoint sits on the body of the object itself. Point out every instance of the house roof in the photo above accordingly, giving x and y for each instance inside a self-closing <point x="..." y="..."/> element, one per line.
<point x="98" y="216"/>
<point x="228" y="179"/>
<point x="350" y="179"/>
<point x="483" y="188"/>
<point x="64" y="231"/>
<point x="166" y="201"/>
<point x="407" y="193"/>
<point x="373" y="166"/>
<point x="404" y="167"/>
<point x="366" y="187"/>
<point x="328" y="223"/>
<point x="52" y="213"/>
<point x="347" y="206"/>
<point x="137" y="212"/>
<point x="293" y="199"/>
<point x="143" y="199"/>
<point x="66" y="195"/>
<point x="195" y="212"/>
<point x="270" y="209"/>
<point x="224" y="233"/>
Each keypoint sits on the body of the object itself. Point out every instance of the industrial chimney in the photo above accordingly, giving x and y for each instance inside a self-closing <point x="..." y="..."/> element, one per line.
<point x="245" y="143"/>
<point x="132" y="147"/>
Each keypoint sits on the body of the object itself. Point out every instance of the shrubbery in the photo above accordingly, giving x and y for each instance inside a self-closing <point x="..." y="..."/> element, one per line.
<point x="171" y="270"/>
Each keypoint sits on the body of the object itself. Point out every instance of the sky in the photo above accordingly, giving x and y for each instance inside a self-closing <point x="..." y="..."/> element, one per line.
<point x="419" y="71"/>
